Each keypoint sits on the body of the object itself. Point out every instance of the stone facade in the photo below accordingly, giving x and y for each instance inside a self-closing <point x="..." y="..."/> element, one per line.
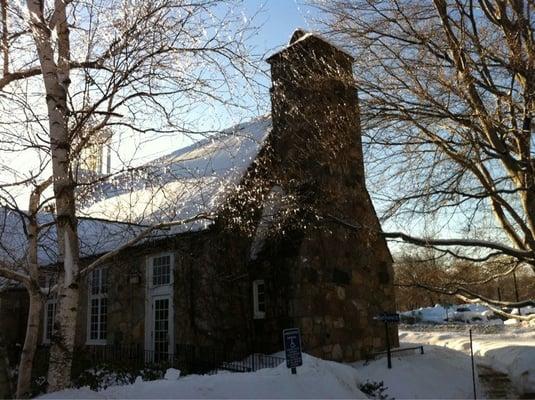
<point x="333" y="280"/>
<point x="14" y="305"/>
<point x="325" y="267"/>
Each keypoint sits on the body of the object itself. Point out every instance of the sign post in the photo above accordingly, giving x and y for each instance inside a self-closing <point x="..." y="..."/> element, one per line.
<point x="473" y="368"/>
<point x="292" y="348"/>
<point x="388" y="349"/>
<point x="388" y="318"/>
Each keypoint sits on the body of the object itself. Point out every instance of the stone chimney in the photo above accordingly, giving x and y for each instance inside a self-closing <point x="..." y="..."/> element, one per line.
<point x="341" y="278"/>
<point x="316" y="120"/>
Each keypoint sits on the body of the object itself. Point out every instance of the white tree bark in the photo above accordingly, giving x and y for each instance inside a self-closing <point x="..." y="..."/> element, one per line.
<point x="30" y="345"/>
<point x="36" y="298"/>
<point x="56" y="81"/>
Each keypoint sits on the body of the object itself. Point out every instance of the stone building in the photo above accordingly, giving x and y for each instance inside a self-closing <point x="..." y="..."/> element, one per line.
<point x="292" y="239"/>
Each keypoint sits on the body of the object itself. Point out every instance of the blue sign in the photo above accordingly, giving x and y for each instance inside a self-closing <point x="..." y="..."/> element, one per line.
<point x="388" y="317"/>
<point x="292" y="347"/>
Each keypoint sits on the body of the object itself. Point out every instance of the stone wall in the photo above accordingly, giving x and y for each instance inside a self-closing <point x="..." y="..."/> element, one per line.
<point x="14" y="305"/>
<point x="211" y="293"/>
<point x="6" y="386"/>
<point x="211" y="297"/>
<point x="336" y="279"/>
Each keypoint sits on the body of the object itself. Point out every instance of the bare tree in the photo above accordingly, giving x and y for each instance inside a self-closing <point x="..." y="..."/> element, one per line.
<point x="24" y="269"/>
<point x="448" y="99"/>
<point x="427" y="277"/>
<point x="79" y="67"/>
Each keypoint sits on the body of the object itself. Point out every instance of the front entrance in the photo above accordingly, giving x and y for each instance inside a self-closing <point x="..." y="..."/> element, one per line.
<point x="162" y="322"/>
<point x="159" y="320"/>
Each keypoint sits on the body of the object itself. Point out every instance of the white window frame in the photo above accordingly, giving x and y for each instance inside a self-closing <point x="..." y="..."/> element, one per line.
<point x="257" y="313"/>
<point x="158" y="291"/>
<point x="97" y="296"/>
<point x="53" y="302"/>
<point x="150" y="270"/>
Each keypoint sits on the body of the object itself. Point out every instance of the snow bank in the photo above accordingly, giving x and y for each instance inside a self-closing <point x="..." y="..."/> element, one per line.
<point x="315" y="379"/>
<point x="171" y="374"/>
<point x="466" y="313"/>
<point x="512" y="354"/>
<point x="440" y="373"/>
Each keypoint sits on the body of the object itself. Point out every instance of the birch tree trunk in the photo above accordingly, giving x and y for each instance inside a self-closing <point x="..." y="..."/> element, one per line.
<point x="30" y="345"/>
<point x="56" y="81"/>
<point x="34" y="291"/>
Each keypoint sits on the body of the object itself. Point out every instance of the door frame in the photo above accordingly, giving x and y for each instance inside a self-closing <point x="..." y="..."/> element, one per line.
<point x="157" y="292"/>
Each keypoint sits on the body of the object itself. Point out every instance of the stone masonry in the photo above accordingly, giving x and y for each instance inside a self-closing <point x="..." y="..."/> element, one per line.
<point x="327" y="270"/>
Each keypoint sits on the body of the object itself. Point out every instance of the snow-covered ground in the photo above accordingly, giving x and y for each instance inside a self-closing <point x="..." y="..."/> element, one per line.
<point x="442" y="372"/>
<point x="439" y="373"/>
<point x="413" y="376"/>
<point x="511" y="352"/>
<point x="315" y="379"/>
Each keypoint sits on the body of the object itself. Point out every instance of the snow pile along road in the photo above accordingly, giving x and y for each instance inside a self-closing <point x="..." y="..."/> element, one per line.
<point x="462" y="313"/>
<point x="315" y="379"/>
<point x="512" y="354"/>
<point x="439" y="314"/>
<point x="440" y="373"/>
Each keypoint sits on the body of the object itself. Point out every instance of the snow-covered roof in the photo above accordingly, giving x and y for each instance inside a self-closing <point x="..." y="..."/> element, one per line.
<point x="180" y="185"/>
<point x="184" y="183"/>
<point x="95" y="237"/>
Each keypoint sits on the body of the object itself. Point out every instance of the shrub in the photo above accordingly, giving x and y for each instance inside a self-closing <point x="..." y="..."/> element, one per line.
<point x="105" y="375"/>
<point x="375" y="390"/>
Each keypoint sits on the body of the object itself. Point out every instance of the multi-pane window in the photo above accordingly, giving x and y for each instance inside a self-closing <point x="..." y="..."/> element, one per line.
<point x="161" y="328"/>
<point x="50" y="314"/>
<point x="98" y="306"/>
<point x="50" y="280"/>
<point x="161" y="270"/>
<point x="92" y="157"/>
<point x="259" y="299"/>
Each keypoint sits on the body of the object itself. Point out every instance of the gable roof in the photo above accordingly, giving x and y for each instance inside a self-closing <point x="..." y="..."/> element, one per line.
<point x="184" y="183"/>
<point x="196" y="179"/>
<point x="95" y="237"/>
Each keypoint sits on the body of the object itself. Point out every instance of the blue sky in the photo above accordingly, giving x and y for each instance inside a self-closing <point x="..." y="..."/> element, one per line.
<point x="275" y="20"/>
<point x="278" y="20"/>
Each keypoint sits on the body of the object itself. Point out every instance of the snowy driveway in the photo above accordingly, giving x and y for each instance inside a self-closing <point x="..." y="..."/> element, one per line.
<point x="511" y="352"/>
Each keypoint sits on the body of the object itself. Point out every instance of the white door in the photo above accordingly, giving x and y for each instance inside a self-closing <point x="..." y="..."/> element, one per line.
<point x="159" y="315"/>
<point x="161" y="327"/>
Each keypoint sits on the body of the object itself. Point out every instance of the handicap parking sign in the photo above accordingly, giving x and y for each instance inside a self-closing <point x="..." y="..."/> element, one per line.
<point x="292" y="347"/>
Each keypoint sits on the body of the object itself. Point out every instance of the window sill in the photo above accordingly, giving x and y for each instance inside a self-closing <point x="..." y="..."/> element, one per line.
<point x="259" y="315"/>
